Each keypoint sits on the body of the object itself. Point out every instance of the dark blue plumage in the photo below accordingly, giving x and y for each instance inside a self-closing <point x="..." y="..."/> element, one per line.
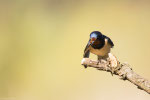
<point x="98" y="44"/>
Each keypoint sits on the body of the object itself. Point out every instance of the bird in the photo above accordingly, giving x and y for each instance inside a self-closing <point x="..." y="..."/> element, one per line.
<point x="99" y="45"/>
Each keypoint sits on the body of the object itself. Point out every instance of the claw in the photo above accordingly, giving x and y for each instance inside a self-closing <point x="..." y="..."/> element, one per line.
<point x="112" y="71"/>
<point x="98" y="62"/>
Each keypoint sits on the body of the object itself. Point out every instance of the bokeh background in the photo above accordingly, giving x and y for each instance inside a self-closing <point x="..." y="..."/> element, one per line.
<point x="42" y="43"/>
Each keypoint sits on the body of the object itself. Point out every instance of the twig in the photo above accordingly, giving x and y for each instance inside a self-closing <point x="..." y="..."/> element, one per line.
<point x="123" y="70"/>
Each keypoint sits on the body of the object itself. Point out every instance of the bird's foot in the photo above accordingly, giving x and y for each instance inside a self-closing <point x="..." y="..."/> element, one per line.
<point x="101" y="61"/>
<point x="98" y="62"/>
<point x="112" y="70"/>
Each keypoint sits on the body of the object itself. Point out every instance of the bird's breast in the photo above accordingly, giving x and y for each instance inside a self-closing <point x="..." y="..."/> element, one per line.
<point x="102" y="51"/>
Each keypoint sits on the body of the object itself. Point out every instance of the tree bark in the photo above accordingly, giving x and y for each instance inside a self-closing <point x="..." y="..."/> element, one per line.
<point x="124" y="71"/>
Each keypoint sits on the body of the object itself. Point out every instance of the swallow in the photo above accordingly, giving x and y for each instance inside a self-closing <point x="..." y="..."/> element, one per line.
<point x="99" y="45"/>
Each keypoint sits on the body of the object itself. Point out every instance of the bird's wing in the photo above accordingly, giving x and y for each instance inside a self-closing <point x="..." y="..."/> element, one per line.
<point x="109" y="41"/>
<point x="86" y="52"/>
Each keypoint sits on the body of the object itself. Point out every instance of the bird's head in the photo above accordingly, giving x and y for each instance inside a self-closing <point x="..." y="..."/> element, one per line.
<point x="94" y="36"/>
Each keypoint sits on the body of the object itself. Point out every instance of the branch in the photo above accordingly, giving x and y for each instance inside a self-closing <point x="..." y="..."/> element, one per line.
<point x="124" y="71"/>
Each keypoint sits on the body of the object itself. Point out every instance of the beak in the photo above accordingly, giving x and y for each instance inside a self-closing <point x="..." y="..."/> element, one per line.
<point x="92" y="40"/>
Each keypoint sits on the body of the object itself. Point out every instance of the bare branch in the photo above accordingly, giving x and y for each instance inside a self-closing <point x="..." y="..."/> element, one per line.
<point x="123" y="70"/>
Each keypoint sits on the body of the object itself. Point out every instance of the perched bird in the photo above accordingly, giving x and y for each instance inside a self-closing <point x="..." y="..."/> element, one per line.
<point x="99" y="45"/>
